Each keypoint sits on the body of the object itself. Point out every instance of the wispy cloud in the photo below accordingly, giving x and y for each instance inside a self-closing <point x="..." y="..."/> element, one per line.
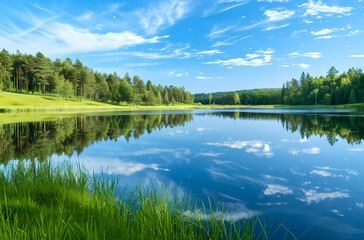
<point x="259" y="148"/>
<point x="314" y="150"/>
<point x="314" y="196"/>
<point x="85" y="17"/>
<point x="61" y="38"/>
<point x="324" y="31"/>
<point x="40" y="8"/>
<point x="273" y="189"/>
<point x="206" y="77"/>
<point x="218" y="31"/>
<point x="221" y="6"/>
<point x="275" y="27"/>
<point x="272" y="16"/>
<point x="315" y="8"/>
<point x="227" y="42"/>
<point x="163" y="14"/>
<point x="270" y="1"/>
<point x="357" y="56"/>
<point x="257" y="59"/>
<point x="308" y="54"/>
<point x="178" y="74"/>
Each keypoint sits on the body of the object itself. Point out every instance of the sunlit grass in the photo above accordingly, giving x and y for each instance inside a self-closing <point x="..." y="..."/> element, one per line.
<point x="41" y="201"/>
<point x="16" y="102"/>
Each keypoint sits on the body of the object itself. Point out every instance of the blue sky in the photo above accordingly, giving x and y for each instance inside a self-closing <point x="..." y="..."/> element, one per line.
<point x="214" y="45"/>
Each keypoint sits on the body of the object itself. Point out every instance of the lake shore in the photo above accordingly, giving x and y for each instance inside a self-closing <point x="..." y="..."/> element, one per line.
<point x="16" y="107"/>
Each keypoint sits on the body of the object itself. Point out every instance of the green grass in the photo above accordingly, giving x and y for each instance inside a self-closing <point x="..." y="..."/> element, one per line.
<point x="44" y="201"/>
<point x="17" y="102"/>
<point x="356" y="106"/>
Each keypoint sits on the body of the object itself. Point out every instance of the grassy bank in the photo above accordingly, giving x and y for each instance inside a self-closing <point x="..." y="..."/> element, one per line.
<point x="17" y="102"/>
<point x="41" y="201"/>
<point x="27" y="103"/>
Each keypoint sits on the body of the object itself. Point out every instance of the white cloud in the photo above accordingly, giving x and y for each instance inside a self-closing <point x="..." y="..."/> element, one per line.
<point x="268" y="51"/>
<point x="314" y="8"/>
<point x="313" y="54"/>
<point x="313" y="150"/>
<point x="308" y="54"/>
<point x="242" y="62"/>
<point x="273" y="189"/>
<point x="209" y="52"/>
<point x="307" y="21"/>
<point x="321" y="173"/>
<point x="259" y="148"/>
<point x="163" y="14"/>
<point x="117" y="166"/>
<point x="232" y="211"/>
<point x="230" y="1"/>
<point x="328" y="37"/>
<point x="359" y="205"/>
<point x="314" y="196"/>
<point x="202" y="129"/>
<point x="357" y="56"/>
<point x="60" y="38"/>
<point x="274" y="16"/>
<point x="85" y="17"/>
<point x="294" y="54"/>
<point x="166" y="53"/>
<point x="178" y="74"/>
<point x="250" y="56"/>
<point x="264" y="58"/>
<point x="40" y="8"/>
<point x="210" y="154"/>
<point x="205" y="77"/>
<point x="295" y="33"/>
<point x="217" y="31"/>
<point x="273" y="1"/>
<point x="275" y="27"/>
<point x="303" y="65"/>
<point x="324" y="31"/>
<point x="337" y="212"/>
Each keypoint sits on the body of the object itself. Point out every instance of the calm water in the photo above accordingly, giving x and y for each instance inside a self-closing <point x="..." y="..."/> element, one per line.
<point x="302" y="167"/>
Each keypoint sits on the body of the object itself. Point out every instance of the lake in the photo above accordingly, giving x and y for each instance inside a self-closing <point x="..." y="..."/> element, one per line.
<point x="301" y="167"/>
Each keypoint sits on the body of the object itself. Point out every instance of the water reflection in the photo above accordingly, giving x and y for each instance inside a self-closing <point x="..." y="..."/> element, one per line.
<point x="308" y="123"/>
<point x="30" y="140"/>
<point x="298" y="166"/>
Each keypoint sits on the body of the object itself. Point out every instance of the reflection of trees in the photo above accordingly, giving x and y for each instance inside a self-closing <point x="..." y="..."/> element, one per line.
<point x="32" y="140"/>
<point x="349" y="128"/>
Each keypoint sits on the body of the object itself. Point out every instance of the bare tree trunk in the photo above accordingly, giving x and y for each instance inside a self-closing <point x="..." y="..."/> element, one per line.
<point x="27" y="82"/>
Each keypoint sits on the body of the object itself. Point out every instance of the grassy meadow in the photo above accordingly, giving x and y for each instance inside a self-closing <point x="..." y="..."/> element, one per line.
<point x="17" y="102"/>
<point x="43" y="201"/>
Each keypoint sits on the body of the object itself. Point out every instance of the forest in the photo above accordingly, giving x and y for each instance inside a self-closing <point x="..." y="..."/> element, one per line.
<point x="69" y="135"/>
<point x="333" y="89"/>
<point x="25" y="73"/>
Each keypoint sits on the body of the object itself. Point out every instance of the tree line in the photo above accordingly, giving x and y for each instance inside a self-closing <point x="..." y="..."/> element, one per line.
<point x="26" y="73"/>
<point x="69" y="135"/>
<point x="332" y="89"/>
<point x="333" y="127"/>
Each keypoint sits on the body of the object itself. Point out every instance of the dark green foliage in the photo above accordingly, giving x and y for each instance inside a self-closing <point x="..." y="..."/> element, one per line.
<point x="333" y="89"/>
<point x="227" y="98"/>
<point x="22" y="73"/>
<point x="31" y="140"/>
<point x="330" y="90"/>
